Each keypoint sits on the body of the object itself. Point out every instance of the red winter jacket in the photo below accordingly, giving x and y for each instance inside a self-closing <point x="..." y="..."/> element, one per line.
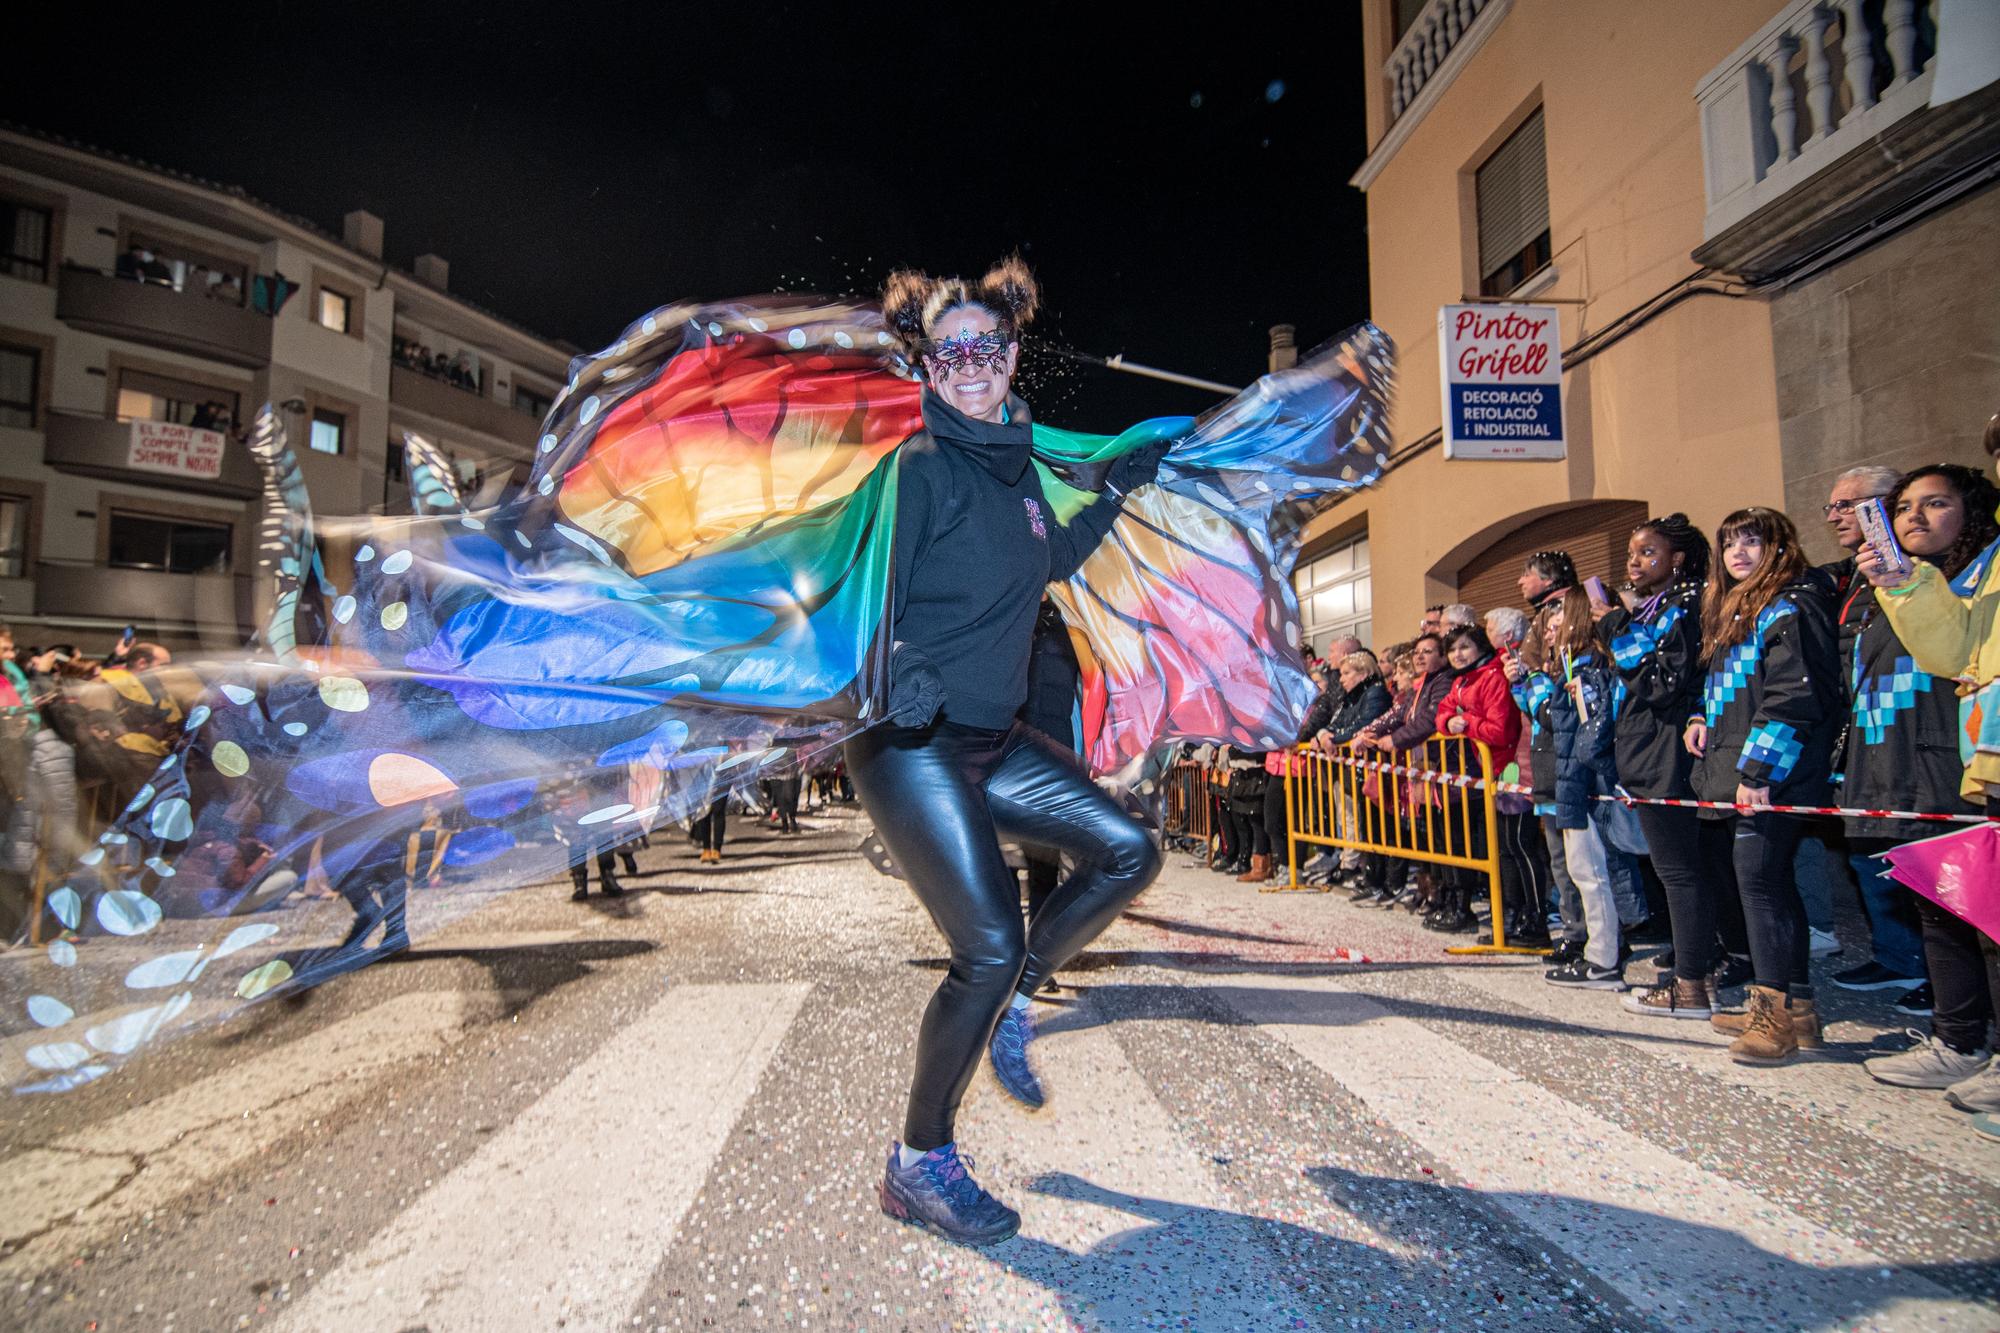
<point x="1483" y="697"/>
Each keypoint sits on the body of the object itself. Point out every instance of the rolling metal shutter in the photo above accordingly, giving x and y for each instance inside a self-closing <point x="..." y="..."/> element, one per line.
<point x="1594" y="534"/>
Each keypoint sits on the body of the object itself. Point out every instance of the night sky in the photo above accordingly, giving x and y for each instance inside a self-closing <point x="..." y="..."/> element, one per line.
<point x="1178" y="185"/>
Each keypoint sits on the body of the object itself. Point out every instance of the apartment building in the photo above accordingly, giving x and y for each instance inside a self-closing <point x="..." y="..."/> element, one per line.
<point x="1767" y="229"/>
<point x="144" y="318"/>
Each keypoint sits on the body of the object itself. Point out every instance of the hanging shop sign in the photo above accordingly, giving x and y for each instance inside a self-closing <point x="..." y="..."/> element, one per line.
<point x="177" y="451"/>
<point x="1502" y="381"/>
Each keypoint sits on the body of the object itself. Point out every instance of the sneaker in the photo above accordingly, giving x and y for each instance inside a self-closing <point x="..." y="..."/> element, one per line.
<point x="1917" y="1002"/>
<point x="1362" y="894"/>
<point x="1979" y="1093"/>
<point x="1326" y="863"/>
<point x="1929" y="1063"/>
<point x="1580" y="974"/>
<point x="937" y="1192"/>
<point x="1824" y="943"/>
<point x="1566" y="951"/>
<point x="1672" y="998"/>
<point x="1987" y="1126"/>
<point x="1008" y="1048"/>
<point x="1871" y="975"/>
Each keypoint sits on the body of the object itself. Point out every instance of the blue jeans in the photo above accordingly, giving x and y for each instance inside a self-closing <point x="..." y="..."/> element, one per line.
<point x="1892" y="917"/>
<point x="1626" y="885"/>
<point x="1818" y="869"/>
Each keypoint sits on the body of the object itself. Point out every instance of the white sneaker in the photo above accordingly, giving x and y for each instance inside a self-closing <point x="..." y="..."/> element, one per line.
<point x="1824" y="942"/>
<point x="1927" y="1064"/>
<point x="1980" y="1092"/>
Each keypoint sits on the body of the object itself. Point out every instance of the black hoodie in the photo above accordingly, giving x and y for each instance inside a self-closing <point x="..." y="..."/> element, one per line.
<point x="976" y="543"/>
<point x="1657" y="650"/>
<point x="1772" y="704"/>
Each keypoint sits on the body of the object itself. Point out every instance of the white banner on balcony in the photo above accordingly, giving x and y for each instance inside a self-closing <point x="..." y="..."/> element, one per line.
<point x="177" y="451"/>
<point x="1502" y="381"/>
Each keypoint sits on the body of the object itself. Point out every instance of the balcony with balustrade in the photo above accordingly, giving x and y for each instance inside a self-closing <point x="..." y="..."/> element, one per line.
<point x="1821" y="123"/>
<point x="1439" y="43"/>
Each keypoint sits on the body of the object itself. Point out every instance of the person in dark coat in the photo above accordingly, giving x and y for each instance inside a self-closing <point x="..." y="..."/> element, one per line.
<point x="1655" y="643"/>
<point x="1764" y="736"/>
<point x="1354" y="696"/>
<point x="1902" y="754"/>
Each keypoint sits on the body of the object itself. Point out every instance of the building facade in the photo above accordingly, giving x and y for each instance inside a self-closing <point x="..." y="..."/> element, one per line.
<point x="1756" y="228"/>
<point x="144" y="319"/>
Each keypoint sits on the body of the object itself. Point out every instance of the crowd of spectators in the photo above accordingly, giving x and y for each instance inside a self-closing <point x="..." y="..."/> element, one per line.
<point x="459" y="371"/>
<point x="79" y="736"/>
<point x="1722" y="669"/>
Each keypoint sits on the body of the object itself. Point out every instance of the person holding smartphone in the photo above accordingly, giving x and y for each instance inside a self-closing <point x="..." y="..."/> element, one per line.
<point x="1902" y="755"/>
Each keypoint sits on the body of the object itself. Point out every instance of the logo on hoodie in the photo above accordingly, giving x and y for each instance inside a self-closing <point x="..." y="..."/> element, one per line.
<point x="1035" y="517"/>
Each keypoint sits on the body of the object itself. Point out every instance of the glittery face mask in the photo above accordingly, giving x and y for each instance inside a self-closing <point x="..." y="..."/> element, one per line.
<point x="976" y="350"/>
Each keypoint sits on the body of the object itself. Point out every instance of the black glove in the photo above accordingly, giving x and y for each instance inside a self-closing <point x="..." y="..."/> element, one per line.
<point x="1137" y="468"/>
<point x="916" y="687"/>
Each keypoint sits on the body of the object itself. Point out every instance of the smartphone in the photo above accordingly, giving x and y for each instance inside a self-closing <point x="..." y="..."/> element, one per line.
<point x="1595" y="587"/>
<point x="1873" y="516"/>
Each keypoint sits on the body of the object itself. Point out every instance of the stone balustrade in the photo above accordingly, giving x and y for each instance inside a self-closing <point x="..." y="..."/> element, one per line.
<point x="1818" y="80"/>
<point x="1425" y="47"/>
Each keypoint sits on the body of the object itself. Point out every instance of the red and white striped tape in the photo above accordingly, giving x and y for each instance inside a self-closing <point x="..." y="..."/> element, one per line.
<point x="1434" y="779"/>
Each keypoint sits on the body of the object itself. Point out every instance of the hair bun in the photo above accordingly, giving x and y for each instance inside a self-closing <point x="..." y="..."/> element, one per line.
<point x="904" y="297"/>
<point x="1010" y="286"/>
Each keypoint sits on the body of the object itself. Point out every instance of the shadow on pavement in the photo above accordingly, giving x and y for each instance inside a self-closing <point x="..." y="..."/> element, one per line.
<point x="1219" y="1005"/>
<point x="1187" y="1256"/>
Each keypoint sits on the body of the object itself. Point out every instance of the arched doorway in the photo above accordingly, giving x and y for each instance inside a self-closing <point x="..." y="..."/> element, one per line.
<point x="1594" y="534"/>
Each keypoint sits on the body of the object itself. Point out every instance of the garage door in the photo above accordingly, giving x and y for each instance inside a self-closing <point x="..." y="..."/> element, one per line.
<point x="1594" y="534"/>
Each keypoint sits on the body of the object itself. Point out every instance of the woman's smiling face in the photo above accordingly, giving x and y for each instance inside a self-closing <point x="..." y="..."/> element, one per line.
<point x="970" y="363"/>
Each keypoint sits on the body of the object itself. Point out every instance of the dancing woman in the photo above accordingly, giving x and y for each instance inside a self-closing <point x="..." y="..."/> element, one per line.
<point x="953" y="772"/>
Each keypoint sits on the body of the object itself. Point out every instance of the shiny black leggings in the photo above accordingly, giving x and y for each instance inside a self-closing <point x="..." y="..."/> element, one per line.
<point x="942" y="798"/>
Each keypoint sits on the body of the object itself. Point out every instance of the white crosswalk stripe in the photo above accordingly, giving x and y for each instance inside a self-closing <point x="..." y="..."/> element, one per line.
<point x="1919" y="1123"/>
<point x="1685" y="1245"/>
<point x="1103" y="1184"/>
<point x="87" y="1185"/>
<point x="545" y="1227"/>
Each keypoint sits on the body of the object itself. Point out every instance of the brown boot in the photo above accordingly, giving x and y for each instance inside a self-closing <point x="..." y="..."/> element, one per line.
<point x="1259" y="871"/>
<point x="1805" y="1022"/>
<point x="1768" y="1037"/>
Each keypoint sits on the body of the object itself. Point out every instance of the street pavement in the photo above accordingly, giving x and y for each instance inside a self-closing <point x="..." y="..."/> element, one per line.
<point x="670" y="1110"/>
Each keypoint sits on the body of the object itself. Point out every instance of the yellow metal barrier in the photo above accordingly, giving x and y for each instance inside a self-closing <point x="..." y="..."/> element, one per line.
<point x="1441" y="813"/>
<point x="1190" y="811"/>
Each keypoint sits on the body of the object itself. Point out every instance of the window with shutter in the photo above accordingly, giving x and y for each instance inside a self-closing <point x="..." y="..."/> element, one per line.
<point x="1512" y="188"/>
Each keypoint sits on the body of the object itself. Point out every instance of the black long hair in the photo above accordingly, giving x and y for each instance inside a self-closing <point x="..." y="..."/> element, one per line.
<point x="1683" y="536"/>
<point x="1980" y="498"/>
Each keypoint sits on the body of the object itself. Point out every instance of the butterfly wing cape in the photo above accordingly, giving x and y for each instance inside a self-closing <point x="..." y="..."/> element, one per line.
<point x="688" y="593"/>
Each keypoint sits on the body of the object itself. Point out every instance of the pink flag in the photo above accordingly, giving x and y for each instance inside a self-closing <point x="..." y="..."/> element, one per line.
<point x="1959" y="871"/>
